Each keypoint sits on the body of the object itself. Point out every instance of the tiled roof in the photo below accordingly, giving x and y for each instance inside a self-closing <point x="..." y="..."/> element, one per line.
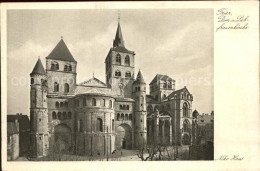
<point x="24" y="122"/>
<point x="139" y="78"/>
<point x="121" y="49"/>
<point x="93" y="90"/>
<point x="38" y="68"/>
<point x="150" y="99"/>
<point x="124" y="99"/>
<point x="61" y="52"/>
<point x="119" y="41"/>
<point x="178" y="92"/>
<point x="206" y="119"/>
<point x="161" y="77"/>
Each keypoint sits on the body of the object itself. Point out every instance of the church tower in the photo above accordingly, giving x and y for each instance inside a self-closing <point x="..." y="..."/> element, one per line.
<point x="120" y="66"/>
<point x="139" y="95"/>
<point x="39" y="142"/>
<point x="61" y="71"/>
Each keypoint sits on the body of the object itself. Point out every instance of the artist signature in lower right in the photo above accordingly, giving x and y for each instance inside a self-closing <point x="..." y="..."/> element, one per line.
<point x="233" y="157"/>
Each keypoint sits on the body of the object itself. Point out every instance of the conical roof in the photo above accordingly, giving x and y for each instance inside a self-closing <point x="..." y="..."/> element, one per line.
<point x="119" y="41"/>
<point x="139" y="78"/>
<point x="61" y="52"/>
<point x="38" y="68"/>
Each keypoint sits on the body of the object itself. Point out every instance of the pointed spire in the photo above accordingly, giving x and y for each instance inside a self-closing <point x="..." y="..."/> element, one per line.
<point x="139" y="78"/>
<point x="61" y="52"/>
<point x="38" y="68"/>
<point x="119" y="41"/>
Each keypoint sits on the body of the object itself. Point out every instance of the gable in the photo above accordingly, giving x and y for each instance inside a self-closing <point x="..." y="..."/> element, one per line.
<point x="93" y="82"/>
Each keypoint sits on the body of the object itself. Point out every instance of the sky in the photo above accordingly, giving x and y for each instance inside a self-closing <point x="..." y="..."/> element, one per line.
<point x="175" y="42"/>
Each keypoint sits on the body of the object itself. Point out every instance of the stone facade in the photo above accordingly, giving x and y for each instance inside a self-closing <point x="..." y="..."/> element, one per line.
<point x="96" y="118"/>
<point x="12" y="140"/>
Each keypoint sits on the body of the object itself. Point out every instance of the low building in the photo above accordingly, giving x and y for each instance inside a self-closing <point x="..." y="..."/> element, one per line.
<point x="12" y="140"/>
<point x="24" y="132"/>
<point x="206" y="127"/>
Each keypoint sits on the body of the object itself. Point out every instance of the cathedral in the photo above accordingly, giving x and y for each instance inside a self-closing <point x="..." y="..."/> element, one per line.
<point x="94" y="117"/>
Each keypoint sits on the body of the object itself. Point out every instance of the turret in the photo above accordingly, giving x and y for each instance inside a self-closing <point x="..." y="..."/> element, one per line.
<point x="38" y="112"/>
<point x="139" y="94"/>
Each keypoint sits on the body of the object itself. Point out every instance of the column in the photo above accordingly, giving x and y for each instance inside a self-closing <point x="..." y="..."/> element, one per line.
<point x="170" y="131"/>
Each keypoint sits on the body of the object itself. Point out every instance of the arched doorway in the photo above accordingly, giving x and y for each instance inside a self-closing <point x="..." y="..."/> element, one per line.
<point x="62" y="138"/>
<point x="123" y="137"/>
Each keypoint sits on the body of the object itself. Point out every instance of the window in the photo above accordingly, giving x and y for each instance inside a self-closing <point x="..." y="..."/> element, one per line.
<point x="164" y="97"/>
<point x="165" y="85"/>
<point x="99" y="125"/>
<point x="59" y="115"/>
<point x="56" y="87"/>
<point x="122" y="117"/>
<point x="170" y="85"/>
<point x="54" y="116"/>
<point x="61" y="104"/>
<point x="69" y="115"/>
<point x="127" y="107"/>
<point x="65" y="68"/>
<point x="80" y="125"/>
<point x="130" y="116"/>
<point x="64" y="115"/>
<point x="185" y="110"/>
<point x="69" y="68"/>
<point x="138" y="89"/>
<point x="110" y="104"/>
<point x="84" y="101"/>
<point x="117" y="73"/>
<point x="66" y="88"/>
<point x="135" y="88"/>
<point x="186" y="126"/>
<point x="128" y="74"/>
<point x="126" y="116"/>
<point x="103" y="102"/>
<point x="66" y="104"/>
<point x="52" y="66"/>
<point x="57" y="66"/>
<point x="32" y="81"/>
<point x="127" y="61"/>
<point x="57" y="105"/>
<point x="118" y="59"/>
<point x="113" y="124"/>
<point x="118" y="117"/>
<point x="94" y="103"/>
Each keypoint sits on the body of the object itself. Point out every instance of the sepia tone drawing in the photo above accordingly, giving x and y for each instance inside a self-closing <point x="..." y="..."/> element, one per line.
<point x="126" y="117"/>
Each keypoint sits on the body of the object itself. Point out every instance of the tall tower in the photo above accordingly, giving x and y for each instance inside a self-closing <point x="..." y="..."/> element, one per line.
<point x="139" y="94"/>
<point x="61" y="71"/>
<point x="38" y="112"/>
<point x="120" y="66"/>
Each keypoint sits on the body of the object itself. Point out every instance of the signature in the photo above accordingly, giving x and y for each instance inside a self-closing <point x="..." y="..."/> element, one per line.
<point x="230" y="21"/>
<point x="233" y="157"/>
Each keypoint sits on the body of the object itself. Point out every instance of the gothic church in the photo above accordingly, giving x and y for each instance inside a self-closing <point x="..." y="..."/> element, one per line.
<point x="94" y="117"/>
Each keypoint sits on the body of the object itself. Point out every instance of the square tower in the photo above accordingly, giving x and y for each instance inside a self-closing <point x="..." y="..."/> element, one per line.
<point x="120" y="67"/>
